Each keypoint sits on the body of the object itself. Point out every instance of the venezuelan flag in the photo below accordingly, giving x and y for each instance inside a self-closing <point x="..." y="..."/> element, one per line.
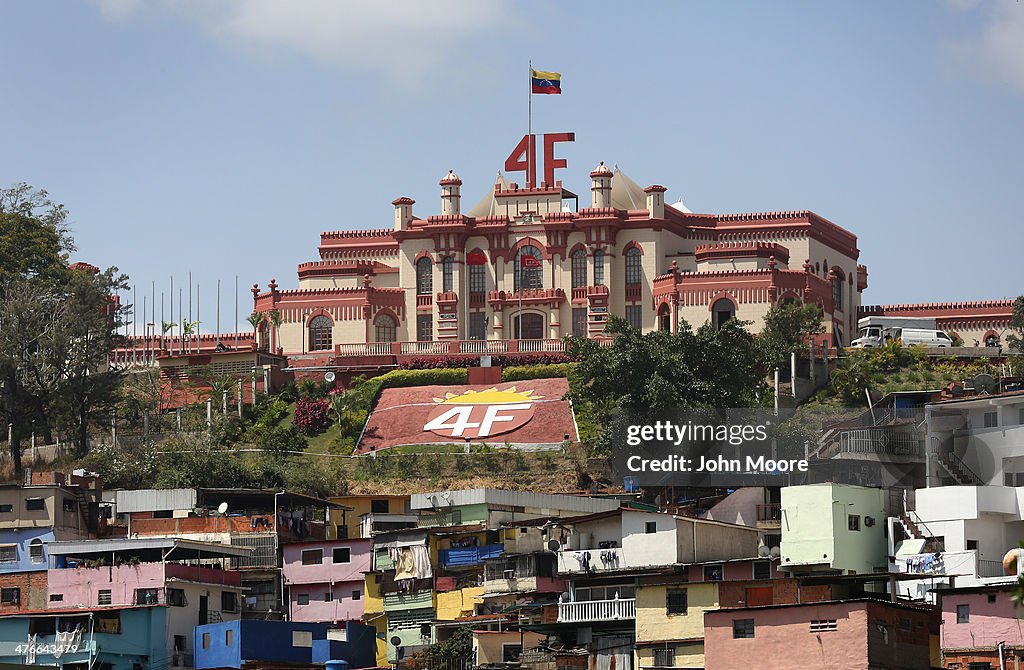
<point x="546" y="82"/>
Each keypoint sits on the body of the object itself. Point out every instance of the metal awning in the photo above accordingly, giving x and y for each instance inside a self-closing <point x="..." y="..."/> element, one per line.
<point x="165" y="547"/>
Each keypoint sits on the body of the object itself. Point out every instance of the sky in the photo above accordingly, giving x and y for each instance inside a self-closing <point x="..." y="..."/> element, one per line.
<point x="220" y="138"/>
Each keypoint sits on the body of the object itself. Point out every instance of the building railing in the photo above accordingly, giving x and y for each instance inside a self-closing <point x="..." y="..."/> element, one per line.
<point x="425" y="300"/>
<point x="769" y="512"/>
<point x="367" y="349"/>
<point x="990" y="568"/>
<point x="881" y="441"/>
<point x="451" y="347"/>
<point x="597" y="610"/>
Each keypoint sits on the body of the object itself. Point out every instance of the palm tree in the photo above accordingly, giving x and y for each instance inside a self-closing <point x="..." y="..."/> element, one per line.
<point x="166" y="327"/>
<point x="275" y="320"/>
<point x="255" y="320"/>
<point x="188" y="329"/>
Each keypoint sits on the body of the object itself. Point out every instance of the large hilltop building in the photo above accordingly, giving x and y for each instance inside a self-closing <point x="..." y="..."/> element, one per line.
<point x="527" y="263"/>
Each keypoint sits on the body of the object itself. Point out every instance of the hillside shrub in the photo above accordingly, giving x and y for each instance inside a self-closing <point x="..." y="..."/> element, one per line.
<point x="547" y="371"/>
<point x="311" y="416"/>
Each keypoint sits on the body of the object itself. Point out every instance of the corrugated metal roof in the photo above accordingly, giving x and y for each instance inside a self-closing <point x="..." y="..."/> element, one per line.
<point x="550" y="501"/>
<point x="182" y="548"/>
<point x="152" y="500"/>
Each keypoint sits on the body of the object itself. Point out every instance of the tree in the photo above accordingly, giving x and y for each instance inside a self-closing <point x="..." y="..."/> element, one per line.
<point x="1016" y="339"/>
<point x="276" y="319"/>
<point x="255" y="320"/>
<point x="786" y="329"/>
<point x="188" y="330"/>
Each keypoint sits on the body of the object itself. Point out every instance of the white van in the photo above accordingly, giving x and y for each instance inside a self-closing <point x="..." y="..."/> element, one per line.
<point x="925" y="338"/>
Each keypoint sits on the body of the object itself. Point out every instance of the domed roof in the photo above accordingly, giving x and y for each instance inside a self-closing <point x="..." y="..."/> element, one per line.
<point x="601" y="171"/>
<point x="451" y="179"/>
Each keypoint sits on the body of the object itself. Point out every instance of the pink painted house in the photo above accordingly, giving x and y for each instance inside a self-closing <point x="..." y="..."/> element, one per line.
<point x="326" y="579"/>
<point x="975" y="620"/>
<point x="839" y="635"/>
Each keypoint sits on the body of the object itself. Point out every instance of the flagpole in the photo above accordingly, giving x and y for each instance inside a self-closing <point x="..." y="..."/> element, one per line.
<point x="529" y="128"/>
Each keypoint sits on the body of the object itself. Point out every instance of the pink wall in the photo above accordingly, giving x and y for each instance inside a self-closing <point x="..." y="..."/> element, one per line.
<point x="327" y="571"/>
<point x="989" y="623"/>
<point x="82" y="585"/>
<point x="782" y="634"/>
<point x="341" y="606"/>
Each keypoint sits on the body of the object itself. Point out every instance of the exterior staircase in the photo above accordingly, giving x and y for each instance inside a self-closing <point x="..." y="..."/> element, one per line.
<point x="957" y="469"/>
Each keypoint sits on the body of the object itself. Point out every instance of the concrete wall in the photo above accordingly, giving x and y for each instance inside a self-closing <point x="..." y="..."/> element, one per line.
<point x="699" y="541"/>
<point x="326" y="571"/>
<point x="989" y="623"/>
<point x="254" y="641"/>
<point x="815" y="528"/>
<point x="31" y="587"/>
<point x="488" y="645"/>
<point x="69" y="524"/>
<point x="23" y="539"/>
<point x="328" y="602"/>
<point x="454" y="604"/>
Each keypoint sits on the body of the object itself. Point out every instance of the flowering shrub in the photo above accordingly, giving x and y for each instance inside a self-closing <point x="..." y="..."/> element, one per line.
<point x="311" y="416"/>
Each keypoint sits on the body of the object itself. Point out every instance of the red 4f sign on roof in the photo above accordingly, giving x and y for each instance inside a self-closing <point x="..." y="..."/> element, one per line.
<point x="524" y="157"/>
<point x="481" y="414"/>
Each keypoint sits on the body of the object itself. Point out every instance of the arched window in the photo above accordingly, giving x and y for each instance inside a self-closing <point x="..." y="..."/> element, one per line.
<point x="665" y="318"/>
<point x="634" y="271"/>
<point x="447" y="273"/>
<point x="530" y="277"/>
<point x="424" y="276"/>
<point x="579" y="269"/>
<point x="598" y="267"/>
<point x="722" y="311"/>
<point x="35" y="551"/>
<point x="319" y="333"/>
<point x="385" y="329"/>
<point x="477" y="278"/>
<point x="837" y="291"/>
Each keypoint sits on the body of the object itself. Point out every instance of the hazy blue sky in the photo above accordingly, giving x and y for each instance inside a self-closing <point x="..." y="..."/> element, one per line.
<point x="221" y="137"/>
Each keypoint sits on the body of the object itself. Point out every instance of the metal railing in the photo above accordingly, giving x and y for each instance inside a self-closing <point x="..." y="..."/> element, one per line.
<point x="867" y="441"/>
<point x="769" y="512"/>
<point x="597" y="610"/>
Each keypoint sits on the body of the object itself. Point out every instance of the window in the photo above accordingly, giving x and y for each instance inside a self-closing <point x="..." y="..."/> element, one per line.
<point x="424" y="327"/>
<point x="10" y="596"/>
<point x="510" y="652"/>
<point x="665" y="658"/>
<point x="963" y="613"/>
<point x="108" y="622"/>
<point x="6" y="508"/>
<point x="477" y="278"/>
<point x="380" y="506"/>
<point x="651" y="527"/>
<point x="8" y="553"/>
<point x="180" y="643"/>
<point x="853" y="522"/>
<point x="713" y="573"/>
<point x="163" y="514"/>
<point x="176" y="597"/>
<point x="991" y="419"/>
<point x="35" y="504"/>
<point x="44" y="626"/>
<point x="823" y="625"/>
<point x="424" y="276"/>
<point x="477" y="326"/>
<point x="972" y="545"/>
<point x="327" y="597"/>
<point x="342" y="555"/>
<point x="742" y="628"/>
<point x="762" y="569"/>
<point x="357" y="594"/>
<point x="385" y="329"/>
<point x="69" y="505"/>
<point x="229" y="637"/>
<point x="35" y="551"/>
<point x="991" y="597"/>
<point x="578" y="275"/>
<point x="302" y="599"/>
<point x="206" y="640"/>
<point x="722" y="311"/>
<point x="905" y="623"/>
<point x="146" y="596"/>
<point x="56" y="597"/>
<point x="635" y="316"/>
<point x="837" y="292"/>
<point x="313" y="557"/>
<point x="302" y="638"/>
<point x="447" y="274"/>
<point x="532" y="276"/>
<point x="675" y="602"/>
<point x="319" y="333"/>
<point x="104" y="597"/>
<point x="979" y="665"/>
<point x="579" y="321"/>
<point x="598" y="267"/>
<point x="228" y="601"/>
<point x="634" y="271"/>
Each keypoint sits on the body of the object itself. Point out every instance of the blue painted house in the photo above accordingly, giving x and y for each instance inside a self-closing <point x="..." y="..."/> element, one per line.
<point x="110" y="638"/>
<point x="232" y="644"/>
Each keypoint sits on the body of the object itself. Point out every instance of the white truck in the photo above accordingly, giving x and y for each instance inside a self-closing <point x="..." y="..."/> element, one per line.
<point x="875" y="331"/>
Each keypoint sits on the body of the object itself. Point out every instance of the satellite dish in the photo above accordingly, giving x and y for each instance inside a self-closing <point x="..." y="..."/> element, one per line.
<point x="553" y="545"/>
<point x="984" y="383"/>
<point x="395" y="640"/>
<point x="775" y="553"/>
<point x="329" y="376"/>
<point x="763" y="551"/>
<point x="222" y="508"/>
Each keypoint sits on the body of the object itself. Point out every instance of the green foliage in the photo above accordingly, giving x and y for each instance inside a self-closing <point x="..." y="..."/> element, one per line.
<point x="1015" y="340"/>
<point x="786" y="329"/>
<point x="123" y="469"/>
<point x="548" y="371"/>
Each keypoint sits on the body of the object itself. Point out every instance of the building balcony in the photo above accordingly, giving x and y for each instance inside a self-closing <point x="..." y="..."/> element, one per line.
<point x="524" y="585"/>
<point x="551" y="297"/>
<point x="769" y="516"/>
<point x="408" y="601"/>
<point x="590" y="561"/>
<point x="618" y="609"/>
<point x="424" y="301"/>
<point x="469" y="556"/>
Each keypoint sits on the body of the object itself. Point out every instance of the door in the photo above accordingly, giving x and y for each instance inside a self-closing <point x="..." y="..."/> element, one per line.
<point x="532" y="327"/>
<point x="204" y="610"/>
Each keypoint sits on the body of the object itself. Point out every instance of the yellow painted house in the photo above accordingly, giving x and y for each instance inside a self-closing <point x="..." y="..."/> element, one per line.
<point x="681" y="633"/>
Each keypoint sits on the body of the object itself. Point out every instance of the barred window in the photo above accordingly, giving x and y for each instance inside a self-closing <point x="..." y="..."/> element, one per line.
<point x="598" y="267"/>
<point x="837" y="291"/>
<point x="424" y="328"/>
<point x="477" y="326"/>
<point x="635" y="316"/>
<point x="579" y="321"/>
<point x="477" y="278"/>
<point x="634" y="271"/>
<point x="529" y="278"/>
<point x="447" y="273"/>
<point x="742" y="628"/>
<point x="579" y="269"/>
<point x="665" y="658"/>
<point x="424" y="276"/>
<point x="675" y="602"/>
<point x="385" y="329"/>
<point x="319" y="333"/>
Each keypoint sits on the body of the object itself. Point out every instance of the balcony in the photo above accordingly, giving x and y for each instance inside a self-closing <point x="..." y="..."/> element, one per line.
<point x="597" y="610"/>
<point x="375" y="523"/>
<point x="469" y="556"/>
<point x="425" y="301"/>
<point x="769" y="515"/>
